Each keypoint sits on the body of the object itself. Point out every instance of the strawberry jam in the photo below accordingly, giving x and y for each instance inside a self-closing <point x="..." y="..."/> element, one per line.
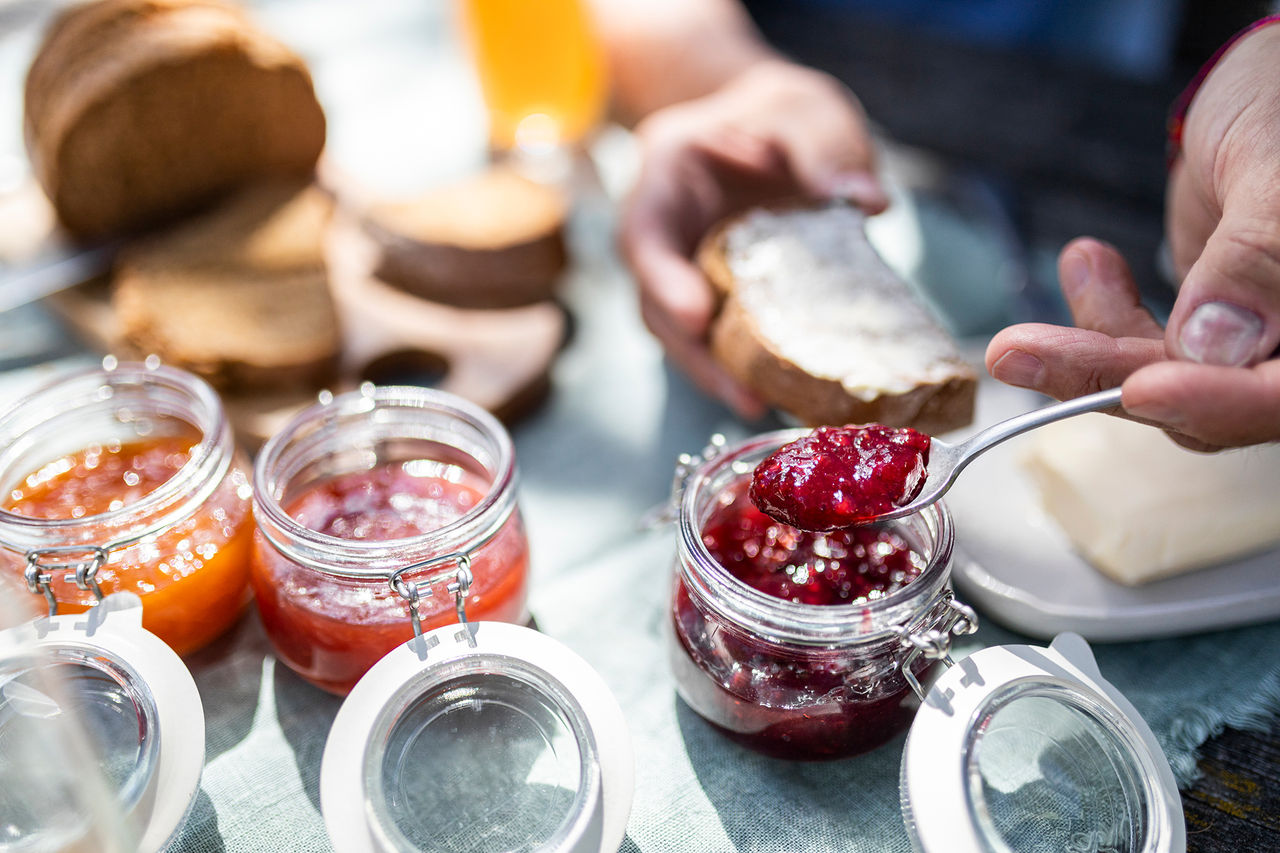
<point x="332" y="629"/>
<point x="835" y="477"/>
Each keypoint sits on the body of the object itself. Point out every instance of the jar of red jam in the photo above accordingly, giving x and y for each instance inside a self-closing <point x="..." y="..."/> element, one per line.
<point x="373" y="508"/>
<point x="127" y="479"/>
<point x="803" y="645"/>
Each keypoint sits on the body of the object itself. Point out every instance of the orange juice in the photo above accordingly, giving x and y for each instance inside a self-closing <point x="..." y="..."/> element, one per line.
<point x="540" y="69"/>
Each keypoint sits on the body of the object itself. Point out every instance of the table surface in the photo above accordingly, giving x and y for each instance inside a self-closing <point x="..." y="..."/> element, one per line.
<point x="1234" y="804"/>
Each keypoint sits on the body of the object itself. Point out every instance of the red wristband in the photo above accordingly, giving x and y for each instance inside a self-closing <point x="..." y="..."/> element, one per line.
<point x="1178" y="112"/>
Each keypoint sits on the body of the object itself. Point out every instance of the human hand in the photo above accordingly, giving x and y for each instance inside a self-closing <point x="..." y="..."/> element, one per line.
<point x="1209" y="377"/>
<point x="776" y="130"/>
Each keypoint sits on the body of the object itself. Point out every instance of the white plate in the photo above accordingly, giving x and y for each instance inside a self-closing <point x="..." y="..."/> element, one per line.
<point x="1023" y="572"/>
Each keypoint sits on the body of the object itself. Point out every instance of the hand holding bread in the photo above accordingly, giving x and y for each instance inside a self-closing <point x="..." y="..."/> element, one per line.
<point x="775" y="131"/>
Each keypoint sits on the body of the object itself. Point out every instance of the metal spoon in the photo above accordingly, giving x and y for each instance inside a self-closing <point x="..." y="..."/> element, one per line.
<point x="946" y="461"/>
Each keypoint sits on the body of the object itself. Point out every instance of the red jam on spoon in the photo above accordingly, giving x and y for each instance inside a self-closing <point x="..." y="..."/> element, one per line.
<point x="835" y="477"/>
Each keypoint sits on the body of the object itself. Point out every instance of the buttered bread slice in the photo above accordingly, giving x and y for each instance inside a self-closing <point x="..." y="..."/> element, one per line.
<point x="818" y="326"/>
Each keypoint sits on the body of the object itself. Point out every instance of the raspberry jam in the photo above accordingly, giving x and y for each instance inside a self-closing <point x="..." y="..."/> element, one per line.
<point x="791" y="642"/>
<point x="333" y="528"/>
<point x="846" y="566"/>
<point x="149" y="472"/>
<point x="839" y="476"/>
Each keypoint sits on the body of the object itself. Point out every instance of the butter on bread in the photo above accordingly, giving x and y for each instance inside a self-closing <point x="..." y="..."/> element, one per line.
<point x="139" y="110"/>
<point x="1138" y="507"/>
<point x="492" y="240"/>
<point x="816" y="324"/>
<point x="239" y="295"/>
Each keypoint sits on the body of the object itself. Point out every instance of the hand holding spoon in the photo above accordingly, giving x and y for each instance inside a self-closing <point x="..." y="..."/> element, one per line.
<point x="837" y="477"/>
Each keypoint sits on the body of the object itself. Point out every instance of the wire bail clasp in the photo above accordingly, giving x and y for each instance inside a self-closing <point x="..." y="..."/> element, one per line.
<point x="43" y="564"/>
<point x="934" y="643"/>
<point x="414" y="592"/>
<point x="686" y="464"/>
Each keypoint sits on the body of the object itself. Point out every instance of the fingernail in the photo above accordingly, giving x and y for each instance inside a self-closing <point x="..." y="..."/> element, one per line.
<point x="1076" y="270"/>
<point x="1157" y="413"/>
<point x="1220" y="333"/>
<point x="861" y="187"/>
<point x="1018" y="368"/>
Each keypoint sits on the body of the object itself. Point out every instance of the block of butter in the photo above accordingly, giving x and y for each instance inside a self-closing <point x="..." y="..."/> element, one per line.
<point x="1139" y="507"/>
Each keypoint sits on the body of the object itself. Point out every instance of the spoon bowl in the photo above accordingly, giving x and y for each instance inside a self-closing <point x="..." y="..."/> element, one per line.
<point x="947" y="460"/>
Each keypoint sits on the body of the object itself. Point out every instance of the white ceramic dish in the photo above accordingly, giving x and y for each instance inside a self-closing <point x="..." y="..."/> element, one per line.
<point x="1020" y="569"/>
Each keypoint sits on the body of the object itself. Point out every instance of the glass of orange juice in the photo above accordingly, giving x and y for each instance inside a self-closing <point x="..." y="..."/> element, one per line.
<point x="541" y="70"/>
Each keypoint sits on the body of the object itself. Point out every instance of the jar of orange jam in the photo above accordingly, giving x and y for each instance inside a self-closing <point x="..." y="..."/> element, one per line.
<point x="126" y="478"/>
<point x="381" y="512"/>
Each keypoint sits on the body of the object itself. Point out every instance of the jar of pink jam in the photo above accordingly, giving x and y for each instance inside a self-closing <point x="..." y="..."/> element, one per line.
<point x="382" y="512"/>
<point x="803" y="645"/>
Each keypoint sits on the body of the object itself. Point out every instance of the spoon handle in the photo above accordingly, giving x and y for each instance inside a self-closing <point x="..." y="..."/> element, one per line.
<point x="1005" y="430"/>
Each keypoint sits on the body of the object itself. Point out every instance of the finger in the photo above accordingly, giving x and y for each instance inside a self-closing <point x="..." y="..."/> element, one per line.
<point x="828" y="146"/>
<point x="1191" y="214"/>
<point x="1066" y="363"/>
<point x="695" y="360"/>
<point x="653" y="240"/>
<point x="859" y="188"/>
<point x="1222" y="406"/>
<point x="671" y="286"/>
<point x="1228" y="310"/>
<point x="1101" y="293"/>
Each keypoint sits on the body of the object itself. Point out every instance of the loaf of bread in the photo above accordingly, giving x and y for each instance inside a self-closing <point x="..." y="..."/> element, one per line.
<point x="495" y="240"/>
<point x="817" y="326"/>
<point x="1139" y="507"/>
<point x="137" y="110"/>
<point x="239" y="295"/>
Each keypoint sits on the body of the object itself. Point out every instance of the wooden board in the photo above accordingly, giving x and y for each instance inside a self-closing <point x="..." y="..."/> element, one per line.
<point x="499" y="359"/>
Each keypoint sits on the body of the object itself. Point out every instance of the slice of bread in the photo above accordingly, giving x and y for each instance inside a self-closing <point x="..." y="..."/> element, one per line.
<point x="139" y="110"/>
<point x="816" y="325"/>
<point x="495" y="240"/>
<point x="239" y="296"/>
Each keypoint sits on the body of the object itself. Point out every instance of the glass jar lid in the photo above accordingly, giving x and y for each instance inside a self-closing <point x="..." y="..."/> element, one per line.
<point x="481" y="736"/>
<point x="90" y="692"/>
<point x="1023" y="748"/>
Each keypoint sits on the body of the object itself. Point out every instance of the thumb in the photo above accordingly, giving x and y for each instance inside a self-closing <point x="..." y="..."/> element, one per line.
<point x="1228" y="309"/>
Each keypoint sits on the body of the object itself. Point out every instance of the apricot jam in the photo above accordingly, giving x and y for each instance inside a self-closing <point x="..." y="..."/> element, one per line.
<point x="792" y="642"/>
<point x="163" y="497"/>
<point x="353" y="490"/>
<point x="835" y="477"/>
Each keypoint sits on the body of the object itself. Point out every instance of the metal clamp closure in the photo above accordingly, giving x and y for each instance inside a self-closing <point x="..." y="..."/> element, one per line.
<point x="413" y="592"/>
<point x="932" y="636"/>
<point x="686" y="464"/>
<point x="44" y="563"/>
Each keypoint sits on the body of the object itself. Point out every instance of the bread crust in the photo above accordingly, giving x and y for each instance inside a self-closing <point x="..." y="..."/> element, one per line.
<point x="138" y="110"/>
<point x="495" y="240"/>
<point x="738" y="344"/>
<point x="239" y="296"/>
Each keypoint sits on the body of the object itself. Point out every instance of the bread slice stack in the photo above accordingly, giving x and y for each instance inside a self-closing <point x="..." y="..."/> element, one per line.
<point x="138" y="110"/>
<point x="240" y="295"/>
<point x="817" y="326"/>
<point x="494" y="240"/>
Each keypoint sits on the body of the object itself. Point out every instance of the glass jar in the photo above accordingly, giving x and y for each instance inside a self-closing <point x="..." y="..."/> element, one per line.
<point x="126" y="478"/>
<point x="381" y="512"/>
<point x="793" y="680"/>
